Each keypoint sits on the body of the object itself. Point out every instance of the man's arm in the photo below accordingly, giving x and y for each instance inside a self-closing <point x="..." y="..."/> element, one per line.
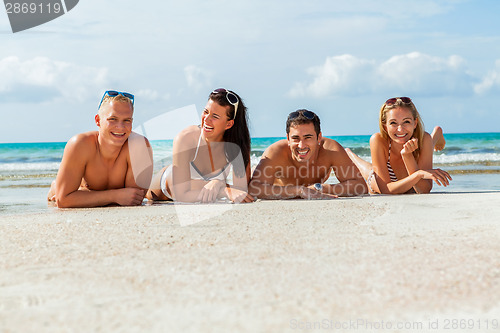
<point x="262" y="183"/>
<point x="351" y="182"/>
<point x="68" y="193"/>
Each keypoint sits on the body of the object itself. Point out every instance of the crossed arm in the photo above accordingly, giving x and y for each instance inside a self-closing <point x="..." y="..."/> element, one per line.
<point x="275" y="160"/>
<point x="184" y="188"/>
<point x="420" y="173"/>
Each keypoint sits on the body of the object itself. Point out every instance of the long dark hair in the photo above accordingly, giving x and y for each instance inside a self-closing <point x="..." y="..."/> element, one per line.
<point x="238" y="134"/>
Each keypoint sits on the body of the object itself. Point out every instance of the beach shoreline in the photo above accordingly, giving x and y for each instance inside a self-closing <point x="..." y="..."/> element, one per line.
<point x="28" y="169"/>
<point x="267" y="266"/>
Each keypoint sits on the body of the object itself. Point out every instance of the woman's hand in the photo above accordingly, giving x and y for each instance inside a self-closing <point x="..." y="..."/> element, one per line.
<point x="238" y="196"/>
<point x="210" y="191"/>
<point x="441" y="177"/>
<point x="410" y="146"/>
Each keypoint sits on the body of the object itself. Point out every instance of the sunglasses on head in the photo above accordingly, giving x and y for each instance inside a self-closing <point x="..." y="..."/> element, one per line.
<point x="392" y="101"/>
<point x="113" y="93"/>
<point x="307" y="114"/>
<point x="231" y="98"/>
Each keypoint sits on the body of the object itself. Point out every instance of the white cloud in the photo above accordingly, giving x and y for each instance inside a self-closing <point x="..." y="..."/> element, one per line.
<point x="338" y="75"/>
<point x="490" y="81"/>
<point x="52" y="80"/>
<point x="197" y="78"/>
<point x="423" y="74"/>
<point x="412" y="73"/>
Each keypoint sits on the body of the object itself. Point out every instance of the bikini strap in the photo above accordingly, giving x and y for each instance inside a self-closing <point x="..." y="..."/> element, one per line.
<point x="209" y="153"/>
<point x="197" y="147"/>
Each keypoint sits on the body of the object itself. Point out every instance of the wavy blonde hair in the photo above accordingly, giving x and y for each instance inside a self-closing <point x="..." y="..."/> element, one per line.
<point x="419" y="131"/>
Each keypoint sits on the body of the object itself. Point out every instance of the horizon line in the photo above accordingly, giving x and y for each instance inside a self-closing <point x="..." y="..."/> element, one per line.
<point x="255" y="137"/>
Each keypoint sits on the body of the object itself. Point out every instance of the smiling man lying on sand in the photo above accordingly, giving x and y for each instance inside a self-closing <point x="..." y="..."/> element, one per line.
<point x="299" y="166"/>
<point x="96" y="168"/>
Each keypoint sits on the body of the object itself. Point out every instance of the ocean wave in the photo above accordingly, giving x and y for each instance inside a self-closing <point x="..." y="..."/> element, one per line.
<point x="23" y="167"/>
<point x="476" y="149"/>
<point x="361" y="151"/>
<point x="28" y="159"/>
<point x="486" y="159"/>
<point x="464" y="158"/>
<point x="257" y="153"/>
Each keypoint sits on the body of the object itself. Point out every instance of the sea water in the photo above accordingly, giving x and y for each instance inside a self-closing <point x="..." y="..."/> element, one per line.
<point x="27" y="169"/>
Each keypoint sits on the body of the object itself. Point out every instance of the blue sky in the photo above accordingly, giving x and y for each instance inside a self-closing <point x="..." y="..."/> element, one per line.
<point x="341" y="59"/>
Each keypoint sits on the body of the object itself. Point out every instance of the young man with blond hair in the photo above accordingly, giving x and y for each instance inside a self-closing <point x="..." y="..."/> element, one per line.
<point x="96" y="168"/>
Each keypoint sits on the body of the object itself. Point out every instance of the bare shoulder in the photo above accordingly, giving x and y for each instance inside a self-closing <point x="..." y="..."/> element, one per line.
<point x="275" y="155"/>
<point x="137" y="136"/>
<point x="427" y="138"/>
<point x="377" y="138"/>
<point x="378" y="143"/>
<point x="331" y="145"/>
<point x="189" y="133"/>
<point x="190" y="130"/>
<point x="187" y="140"/>
<point x="427" y="144"/>
<point x="279" y="149"/>
<point x="83" y="142"/>
<point x="332" y="154"/>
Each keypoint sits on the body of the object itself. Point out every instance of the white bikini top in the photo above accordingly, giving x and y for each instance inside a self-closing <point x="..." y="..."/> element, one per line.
<point x="196" y="174"/>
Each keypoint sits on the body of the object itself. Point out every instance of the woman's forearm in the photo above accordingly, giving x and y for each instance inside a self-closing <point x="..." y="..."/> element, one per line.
<point x="405" y="184"/>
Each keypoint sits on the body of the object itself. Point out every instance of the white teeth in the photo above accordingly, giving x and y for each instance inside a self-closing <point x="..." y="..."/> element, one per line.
<point x="303" y="152"/>
<point x="118" y="134"/>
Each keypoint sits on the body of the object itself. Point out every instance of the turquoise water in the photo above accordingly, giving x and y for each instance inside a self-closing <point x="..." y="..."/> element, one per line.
<point x="27" y="169"/>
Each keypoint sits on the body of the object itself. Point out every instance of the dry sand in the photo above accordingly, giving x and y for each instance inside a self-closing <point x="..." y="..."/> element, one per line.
<point x="272" y="266"/>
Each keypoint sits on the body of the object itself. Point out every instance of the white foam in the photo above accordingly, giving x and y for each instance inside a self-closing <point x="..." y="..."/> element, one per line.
<point x="16" y="167"/>
<point x="464" y="158"/>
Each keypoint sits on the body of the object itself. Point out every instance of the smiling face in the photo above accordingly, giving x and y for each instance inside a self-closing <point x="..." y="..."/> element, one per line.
<point x="115" y="122"/>
<point x="303" y="142"/>
<point x="214" y="121"/>
<point x="400" y="124"/>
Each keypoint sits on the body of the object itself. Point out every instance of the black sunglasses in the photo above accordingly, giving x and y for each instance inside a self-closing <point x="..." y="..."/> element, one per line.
<point x="231" y="98"/>
<point x="392" y="101"/>
<point x="114" y="93"/>
<point x="308" y="114"/>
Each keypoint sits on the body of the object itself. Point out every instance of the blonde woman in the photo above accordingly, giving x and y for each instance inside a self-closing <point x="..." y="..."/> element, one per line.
<point x="402" y="152"/>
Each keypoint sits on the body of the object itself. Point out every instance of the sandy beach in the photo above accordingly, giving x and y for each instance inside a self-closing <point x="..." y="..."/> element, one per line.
<point x="414" y="262"/>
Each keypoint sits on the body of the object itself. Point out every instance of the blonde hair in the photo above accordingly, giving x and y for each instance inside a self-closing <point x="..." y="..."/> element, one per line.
<point x="419" y="131"/>
<point x="118" y="98"/>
